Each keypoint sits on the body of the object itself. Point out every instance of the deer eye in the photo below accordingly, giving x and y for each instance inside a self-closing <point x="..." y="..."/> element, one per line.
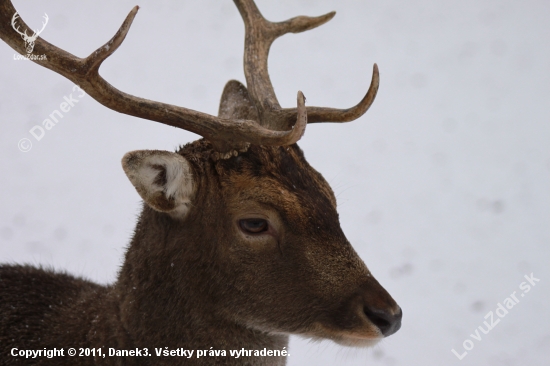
<point x="253" y="226"/>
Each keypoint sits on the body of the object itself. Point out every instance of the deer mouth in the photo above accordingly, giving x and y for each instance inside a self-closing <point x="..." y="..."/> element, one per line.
<point x="359" y="324"/>
<point x="362" y="337"/>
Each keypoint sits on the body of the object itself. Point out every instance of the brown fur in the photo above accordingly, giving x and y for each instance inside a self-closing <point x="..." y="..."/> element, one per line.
<point x="191" y="277"/>
<point x="198" y="283"/>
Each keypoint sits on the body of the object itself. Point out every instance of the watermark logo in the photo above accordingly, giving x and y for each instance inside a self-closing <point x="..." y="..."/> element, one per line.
<point x="29" y="40"/>
<point x="38" y="131"/>
<point x="501" y="311"/>
<point x="24" y="144"/>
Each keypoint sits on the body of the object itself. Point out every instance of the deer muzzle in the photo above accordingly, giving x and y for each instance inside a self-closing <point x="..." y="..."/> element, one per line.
<point x="367" y="315"/>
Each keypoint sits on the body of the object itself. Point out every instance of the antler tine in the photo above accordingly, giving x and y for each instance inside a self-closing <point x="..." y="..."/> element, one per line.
<point x="225" y="134"/>
<point x="260" y="34"/>
<point x="322" y="114"/>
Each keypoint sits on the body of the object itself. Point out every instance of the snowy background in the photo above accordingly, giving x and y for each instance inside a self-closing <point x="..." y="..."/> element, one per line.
<point x="443" y="186"/>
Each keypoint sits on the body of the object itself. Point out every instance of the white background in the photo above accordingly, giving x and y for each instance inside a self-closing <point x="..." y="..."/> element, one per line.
<point x="443" y="186"/>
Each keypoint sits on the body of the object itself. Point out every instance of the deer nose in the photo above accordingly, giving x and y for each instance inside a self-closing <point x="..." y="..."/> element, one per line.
<point x="387" y="321"/>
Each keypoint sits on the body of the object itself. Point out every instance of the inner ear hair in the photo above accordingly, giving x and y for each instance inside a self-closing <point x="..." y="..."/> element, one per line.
<point x="163" y="179"/>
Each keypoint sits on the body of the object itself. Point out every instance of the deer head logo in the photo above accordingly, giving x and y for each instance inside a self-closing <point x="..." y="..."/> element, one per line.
<point x="29" y="40"/>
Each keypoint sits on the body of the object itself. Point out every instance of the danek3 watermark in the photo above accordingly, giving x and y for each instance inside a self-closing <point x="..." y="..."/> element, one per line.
<point x="492" y="320"/>
<point x="39" y="131"/>
<point x="29" y="40"/>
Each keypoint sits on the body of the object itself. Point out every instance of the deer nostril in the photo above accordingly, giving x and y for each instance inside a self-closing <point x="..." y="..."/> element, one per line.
<point x="386" y="322"/>
<point x="378" y="318"/>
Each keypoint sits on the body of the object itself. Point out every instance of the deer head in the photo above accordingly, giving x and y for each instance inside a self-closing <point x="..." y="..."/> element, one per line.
<point x="237" y="223"/>
<point x="29" y="40"/>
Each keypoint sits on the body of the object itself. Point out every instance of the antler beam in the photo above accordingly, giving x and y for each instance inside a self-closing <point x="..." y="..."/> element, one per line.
<point x="276" y="126"/>
<point x="225" y="134"/>
<point x="260" y="34"/>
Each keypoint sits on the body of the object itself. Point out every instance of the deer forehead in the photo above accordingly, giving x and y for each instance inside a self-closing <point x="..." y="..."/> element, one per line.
<point x="280" y="178"/>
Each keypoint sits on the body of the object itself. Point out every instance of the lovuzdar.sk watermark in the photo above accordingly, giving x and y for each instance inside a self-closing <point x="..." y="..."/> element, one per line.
<point x="28" y="40"/>
<point x="501" y="311"/>
<point x="39" y="131"/>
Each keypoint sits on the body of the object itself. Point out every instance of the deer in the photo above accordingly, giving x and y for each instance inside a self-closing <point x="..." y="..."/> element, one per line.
<point x="238" y="244"/>
<point x="29" y="40"/>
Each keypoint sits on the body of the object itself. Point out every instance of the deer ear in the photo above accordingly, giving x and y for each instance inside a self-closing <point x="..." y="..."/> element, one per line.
<point x="163" y="179"/>
<point x="236" y="103"/>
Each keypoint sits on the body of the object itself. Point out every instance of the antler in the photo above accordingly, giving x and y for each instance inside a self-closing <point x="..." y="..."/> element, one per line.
<point x="37" y="33"/>
<point x="225" y="134"/>
<point x="274" y="127"/>
<point x="13" y="19"/>
<point x="260" y="34"/>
